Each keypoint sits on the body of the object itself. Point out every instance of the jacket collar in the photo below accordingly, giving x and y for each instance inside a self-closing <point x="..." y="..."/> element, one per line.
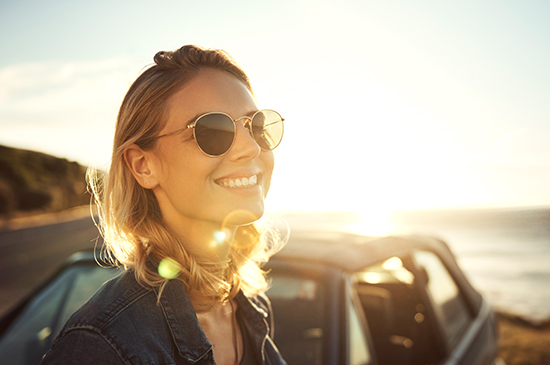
<point x="186" y="331"/>
<point x="255" y="318"/>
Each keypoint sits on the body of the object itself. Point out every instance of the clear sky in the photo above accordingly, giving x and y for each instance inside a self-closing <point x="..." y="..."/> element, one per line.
<point x="388" y="104"/>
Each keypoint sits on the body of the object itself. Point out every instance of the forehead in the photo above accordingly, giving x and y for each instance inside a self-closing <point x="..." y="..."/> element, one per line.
<point x="210" y="91"/>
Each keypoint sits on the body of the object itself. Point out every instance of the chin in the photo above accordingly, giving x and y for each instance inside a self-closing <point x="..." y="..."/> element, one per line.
<point x="243" y="216"/>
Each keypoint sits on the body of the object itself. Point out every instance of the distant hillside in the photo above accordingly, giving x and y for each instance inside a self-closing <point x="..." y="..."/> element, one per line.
<point x="35" y="182"/>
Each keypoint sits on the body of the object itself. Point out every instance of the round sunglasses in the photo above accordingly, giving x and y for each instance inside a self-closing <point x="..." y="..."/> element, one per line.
<point x="215" y="132"/>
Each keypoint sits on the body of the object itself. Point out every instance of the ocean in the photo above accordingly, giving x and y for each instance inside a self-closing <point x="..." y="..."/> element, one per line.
<point x="505" y="253"/>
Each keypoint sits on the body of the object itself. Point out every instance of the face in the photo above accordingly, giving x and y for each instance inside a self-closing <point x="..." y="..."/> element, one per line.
<point x="192" y="186"/>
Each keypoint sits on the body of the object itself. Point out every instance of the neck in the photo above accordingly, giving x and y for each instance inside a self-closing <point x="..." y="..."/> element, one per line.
<point x="205" y="239"/>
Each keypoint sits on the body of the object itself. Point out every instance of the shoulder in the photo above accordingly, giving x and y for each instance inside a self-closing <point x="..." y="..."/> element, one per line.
<point x="108" y="325"/>
<point x="115" y="299"/>
<point x="84" y="346"/>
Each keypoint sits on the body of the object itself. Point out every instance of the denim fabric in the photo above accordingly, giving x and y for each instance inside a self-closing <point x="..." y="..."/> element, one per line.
<point x="123" y="324"/>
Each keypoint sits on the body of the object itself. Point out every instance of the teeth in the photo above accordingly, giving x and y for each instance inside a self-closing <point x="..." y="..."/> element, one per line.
<point x="244" y="182"/>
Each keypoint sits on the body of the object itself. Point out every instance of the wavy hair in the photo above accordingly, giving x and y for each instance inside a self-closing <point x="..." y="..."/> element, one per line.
<point x="129" y="215"/>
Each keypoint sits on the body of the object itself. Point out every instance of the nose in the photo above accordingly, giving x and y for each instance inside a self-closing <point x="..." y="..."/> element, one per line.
<point x="244" y="147"/>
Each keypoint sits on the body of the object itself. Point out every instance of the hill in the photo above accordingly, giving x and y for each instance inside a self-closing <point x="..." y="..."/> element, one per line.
<point x="33" y="182"/>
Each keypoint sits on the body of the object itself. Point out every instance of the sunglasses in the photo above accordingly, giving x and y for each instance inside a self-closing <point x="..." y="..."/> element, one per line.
<point x="215" y="132"/>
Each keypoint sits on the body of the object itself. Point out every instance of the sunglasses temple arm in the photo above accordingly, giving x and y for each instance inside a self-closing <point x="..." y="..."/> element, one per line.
<point x="279" y="121"/>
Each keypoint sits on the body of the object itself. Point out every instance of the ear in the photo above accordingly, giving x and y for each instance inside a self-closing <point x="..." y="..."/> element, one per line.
<point x="142" y="165"/>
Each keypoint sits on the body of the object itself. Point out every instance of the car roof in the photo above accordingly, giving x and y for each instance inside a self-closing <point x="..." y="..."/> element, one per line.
<point x="352" y="252"/>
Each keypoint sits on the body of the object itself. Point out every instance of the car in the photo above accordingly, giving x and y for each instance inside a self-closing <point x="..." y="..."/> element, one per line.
<point x="338" y="298"/>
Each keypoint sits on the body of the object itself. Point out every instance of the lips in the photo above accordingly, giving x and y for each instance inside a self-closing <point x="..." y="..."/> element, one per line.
<point x="239" y="182"/>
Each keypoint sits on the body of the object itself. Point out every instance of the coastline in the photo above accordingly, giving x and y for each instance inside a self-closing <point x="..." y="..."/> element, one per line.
<point x="522" y="342"/>
<point x="523" y="321"/>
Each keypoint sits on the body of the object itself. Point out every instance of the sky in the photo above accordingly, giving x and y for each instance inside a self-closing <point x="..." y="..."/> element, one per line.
<point x="388" y="105"/>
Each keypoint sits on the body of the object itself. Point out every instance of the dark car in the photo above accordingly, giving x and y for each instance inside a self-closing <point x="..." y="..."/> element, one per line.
<point x="337" y="298"/>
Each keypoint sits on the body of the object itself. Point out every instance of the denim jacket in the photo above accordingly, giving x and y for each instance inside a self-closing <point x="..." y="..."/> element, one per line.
<point x="123" y="324"/>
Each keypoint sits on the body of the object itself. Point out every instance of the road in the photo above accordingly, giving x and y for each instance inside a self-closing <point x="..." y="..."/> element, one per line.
<point x="28" y="256"/>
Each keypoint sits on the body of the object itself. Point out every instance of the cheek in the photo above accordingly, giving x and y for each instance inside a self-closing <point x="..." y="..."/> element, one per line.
<point x="186" y="170"/>
<point x="268" y="160"/>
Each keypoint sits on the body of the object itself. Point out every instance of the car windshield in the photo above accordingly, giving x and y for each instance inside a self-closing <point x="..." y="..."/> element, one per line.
<point x="32" y="334"/>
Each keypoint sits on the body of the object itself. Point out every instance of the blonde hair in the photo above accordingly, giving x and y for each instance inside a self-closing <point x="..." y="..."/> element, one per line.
<point x="129" y="216"/>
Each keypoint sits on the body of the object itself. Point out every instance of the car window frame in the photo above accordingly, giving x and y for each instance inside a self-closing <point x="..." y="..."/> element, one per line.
<point x="477" y="321"/>
<point x="332" y="279"/>
<point x="351" y="298"/>
<point x="461" y="292"/>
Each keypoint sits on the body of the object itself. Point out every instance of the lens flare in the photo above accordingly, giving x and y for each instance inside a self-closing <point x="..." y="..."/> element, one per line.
<point x="239" y="217"/>
<point x="220" y="236"/>
<point x="44" y="333"/>
<point x="419" y="317"/>
<point x="402" y="341"/>
<point x="169" y="268"/>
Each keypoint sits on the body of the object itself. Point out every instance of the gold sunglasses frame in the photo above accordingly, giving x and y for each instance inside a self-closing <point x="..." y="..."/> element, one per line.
<point x="248" y="126"/>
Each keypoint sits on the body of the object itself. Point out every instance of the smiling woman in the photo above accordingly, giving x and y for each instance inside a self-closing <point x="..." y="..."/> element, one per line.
<point x="190" y="170"/>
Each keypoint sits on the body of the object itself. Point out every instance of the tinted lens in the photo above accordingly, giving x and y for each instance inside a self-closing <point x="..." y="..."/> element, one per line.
<point x="214" y="133"/>
<point x="267" y="129"/>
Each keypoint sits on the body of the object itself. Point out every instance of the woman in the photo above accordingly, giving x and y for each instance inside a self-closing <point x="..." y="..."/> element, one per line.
<point x="191" y="166"/>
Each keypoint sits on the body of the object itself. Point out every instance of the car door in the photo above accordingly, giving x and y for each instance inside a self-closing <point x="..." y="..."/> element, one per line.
<point x="468" y="333"/>
<point x="417" y="313"/>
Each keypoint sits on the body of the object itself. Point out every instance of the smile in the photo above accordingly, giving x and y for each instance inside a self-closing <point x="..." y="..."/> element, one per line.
<point x="243" y="182"/>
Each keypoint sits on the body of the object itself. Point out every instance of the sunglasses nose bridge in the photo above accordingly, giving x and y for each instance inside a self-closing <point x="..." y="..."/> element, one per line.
<point x="248" y="120"/>
<point x="247" y="125"/>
